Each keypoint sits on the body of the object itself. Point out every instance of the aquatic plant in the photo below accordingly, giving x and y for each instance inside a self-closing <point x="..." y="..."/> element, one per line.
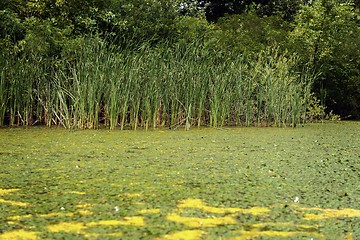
<point x="167" y="85"/>
<point x="234" y="183"/>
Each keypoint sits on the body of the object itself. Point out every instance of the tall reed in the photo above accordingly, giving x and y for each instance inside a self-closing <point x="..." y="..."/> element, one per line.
<point x="167" y="85"/>
<point x="4" y="88"/>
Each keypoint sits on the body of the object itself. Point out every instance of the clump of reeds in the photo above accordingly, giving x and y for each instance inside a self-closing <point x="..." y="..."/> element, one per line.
<point x="168" y="85"/>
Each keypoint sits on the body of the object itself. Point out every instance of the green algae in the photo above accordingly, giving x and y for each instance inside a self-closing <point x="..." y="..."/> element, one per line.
<point x="234" y="183"/>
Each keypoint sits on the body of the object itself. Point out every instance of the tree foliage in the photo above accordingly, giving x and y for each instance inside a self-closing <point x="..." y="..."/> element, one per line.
<point x="326" y="35"/>
<point x="215" y="9"/>
<point x="249" y="32"/>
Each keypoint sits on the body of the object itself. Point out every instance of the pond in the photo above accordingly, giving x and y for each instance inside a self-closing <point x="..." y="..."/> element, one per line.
<point x="229" y="183"/>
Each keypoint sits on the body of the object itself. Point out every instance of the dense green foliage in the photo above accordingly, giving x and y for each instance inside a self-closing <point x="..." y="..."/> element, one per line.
<point x="167" y="53"/>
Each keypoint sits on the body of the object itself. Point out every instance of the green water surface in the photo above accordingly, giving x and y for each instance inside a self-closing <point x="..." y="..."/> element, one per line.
<point x="230" y="183"/>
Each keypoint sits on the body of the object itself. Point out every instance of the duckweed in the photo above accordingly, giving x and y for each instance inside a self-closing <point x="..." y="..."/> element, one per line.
<point x="230" y="183"/>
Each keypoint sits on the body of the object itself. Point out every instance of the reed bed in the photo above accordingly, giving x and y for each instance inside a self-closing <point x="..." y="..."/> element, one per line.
<point x="167" y="85"/>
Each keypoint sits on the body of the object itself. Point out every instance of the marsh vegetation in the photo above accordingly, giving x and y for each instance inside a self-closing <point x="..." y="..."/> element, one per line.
<point x="150" y="87"/>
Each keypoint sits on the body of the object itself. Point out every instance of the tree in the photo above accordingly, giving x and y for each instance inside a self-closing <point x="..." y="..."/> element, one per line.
<point x="326" y="35"/>
<point x="249" y="32"/>
<point x="215" y="9"/>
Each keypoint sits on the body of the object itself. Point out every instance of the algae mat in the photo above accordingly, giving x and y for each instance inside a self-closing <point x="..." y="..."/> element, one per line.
<point x="232" y="183"/>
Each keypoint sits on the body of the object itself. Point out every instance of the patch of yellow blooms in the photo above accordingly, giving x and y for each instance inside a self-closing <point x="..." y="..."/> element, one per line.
<point x="48" y="215"/>
<point x="84" y="209"/>
<point x="77" y="192"/>
<point x="214" y="216"/>
<point x="19" y="234"/>
<point x="145" y="211"/>
<point x="199" y="204"/>
<point x="7" y="191"/>
<point x="330" y="213"/>
<point x="194" y="222"/>
<point x="256" y="229"/>
<point x="14" y="203"/>
<point x="79" y="227"/>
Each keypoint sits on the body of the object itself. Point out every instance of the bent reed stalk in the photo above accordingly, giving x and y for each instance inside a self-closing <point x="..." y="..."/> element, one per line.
<point x="168" y="85"/>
